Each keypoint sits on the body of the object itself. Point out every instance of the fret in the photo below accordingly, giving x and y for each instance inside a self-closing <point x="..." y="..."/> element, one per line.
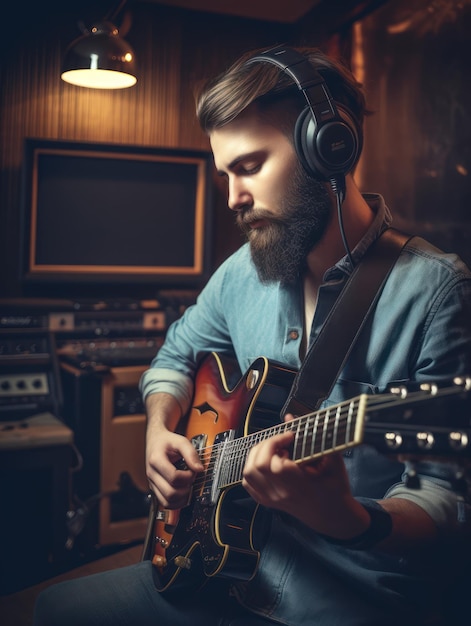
<point x="314" y="435"/>
<point x="326" y="430"/>
<point x="306" y="438"/>
<point x="350" y="418"/>
<point x="296" y="424"/>
<point x="336" y="428"/>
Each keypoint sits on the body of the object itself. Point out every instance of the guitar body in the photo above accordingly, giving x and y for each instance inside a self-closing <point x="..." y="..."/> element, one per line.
<point x="213" y="534"/>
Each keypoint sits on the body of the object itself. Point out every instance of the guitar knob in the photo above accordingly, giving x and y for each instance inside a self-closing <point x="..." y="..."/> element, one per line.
<point x="425" y="441"/>
<point x="159" y="561"/>
<point x="182" y="561"/>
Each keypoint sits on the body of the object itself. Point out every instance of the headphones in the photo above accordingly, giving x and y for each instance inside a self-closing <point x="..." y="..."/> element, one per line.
<point x="327" y="141"/>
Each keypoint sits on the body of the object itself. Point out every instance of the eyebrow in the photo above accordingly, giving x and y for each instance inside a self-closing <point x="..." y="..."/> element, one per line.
<point x="237" y="160"/>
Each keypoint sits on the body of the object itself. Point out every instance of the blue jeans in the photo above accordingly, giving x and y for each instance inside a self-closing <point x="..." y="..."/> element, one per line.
<point x="127" y="597"/>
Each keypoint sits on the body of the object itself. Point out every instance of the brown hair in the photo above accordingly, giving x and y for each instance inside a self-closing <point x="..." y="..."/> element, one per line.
<point x="223" y="98"/>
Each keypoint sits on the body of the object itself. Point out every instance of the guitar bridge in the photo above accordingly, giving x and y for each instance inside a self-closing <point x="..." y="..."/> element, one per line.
<point x="220" y="444"/>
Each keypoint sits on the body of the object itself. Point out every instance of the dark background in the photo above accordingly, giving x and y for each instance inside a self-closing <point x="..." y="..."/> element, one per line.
<point x="409" y="54"/>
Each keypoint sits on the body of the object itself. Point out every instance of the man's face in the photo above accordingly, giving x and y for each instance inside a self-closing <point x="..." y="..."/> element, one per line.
<point x="283" y="211"/>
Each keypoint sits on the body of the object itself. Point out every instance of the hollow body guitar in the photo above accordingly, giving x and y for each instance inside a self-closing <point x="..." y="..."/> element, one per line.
<point x="214" y="534"/>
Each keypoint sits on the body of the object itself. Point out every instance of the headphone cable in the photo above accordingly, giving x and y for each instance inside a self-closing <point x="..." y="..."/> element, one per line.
<point x="338" y="187"/>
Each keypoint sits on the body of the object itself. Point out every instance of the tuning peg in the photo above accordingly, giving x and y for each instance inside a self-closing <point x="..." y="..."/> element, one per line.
<point x="463" y="381"/>
<point x="429" y="388"/>
<point x="425" y="440"/>
<point x="458" y="440"/>
<point x="400" y="391"/>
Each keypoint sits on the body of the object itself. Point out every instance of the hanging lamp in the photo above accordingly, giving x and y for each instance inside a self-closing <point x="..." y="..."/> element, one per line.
<point x="100" y="58"/>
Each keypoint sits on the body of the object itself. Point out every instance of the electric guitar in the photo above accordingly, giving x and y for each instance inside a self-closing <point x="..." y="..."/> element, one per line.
<point x="212" y="535"/>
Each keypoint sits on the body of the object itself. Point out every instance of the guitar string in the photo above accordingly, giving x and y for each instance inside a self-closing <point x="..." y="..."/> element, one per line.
<point x="239" y="448"/>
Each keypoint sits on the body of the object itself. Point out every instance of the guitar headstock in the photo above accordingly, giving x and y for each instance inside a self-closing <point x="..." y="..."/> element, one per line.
<point x="426" y="421"/>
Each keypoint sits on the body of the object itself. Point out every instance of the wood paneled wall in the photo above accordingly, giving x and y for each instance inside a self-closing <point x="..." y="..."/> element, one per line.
<point x="418" y="141"/>
<point x="174" y="48"/>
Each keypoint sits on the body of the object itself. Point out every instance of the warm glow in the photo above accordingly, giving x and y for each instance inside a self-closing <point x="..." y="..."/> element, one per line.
<point x="358" y="69"/>
<point x="99" y="79"/>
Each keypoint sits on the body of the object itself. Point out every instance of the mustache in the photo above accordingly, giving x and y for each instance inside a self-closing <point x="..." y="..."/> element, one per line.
<point x="245" y="217"/>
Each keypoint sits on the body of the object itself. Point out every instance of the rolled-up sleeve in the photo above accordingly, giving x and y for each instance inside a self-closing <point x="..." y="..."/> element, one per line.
<point x="438" y="495"/>
<point x="156" y="380"/>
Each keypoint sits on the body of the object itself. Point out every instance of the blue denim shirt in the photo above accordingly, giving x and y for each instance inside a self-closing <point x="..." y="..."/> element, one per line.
<point x="420" y="330"/>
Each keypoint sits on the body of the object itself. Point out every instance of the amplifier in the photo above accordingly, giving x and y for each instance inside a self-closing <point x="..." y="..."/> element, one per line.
<point x="105" y="322"/>
<point x="104" y="409"/>
<point x="98" y="354"/>
<point x="84" y="318"/>
<point x="29" y="374"/>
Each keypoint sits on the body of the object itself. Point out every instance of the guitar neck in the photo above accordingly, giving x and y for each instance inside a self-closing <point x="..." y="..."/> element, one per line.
<point x="414" y="424"/>
<point x="328" y="430"/>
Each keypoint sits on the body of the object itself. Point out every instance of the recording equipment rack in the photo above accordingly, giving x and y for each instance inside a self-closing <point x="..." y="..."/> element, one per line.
<point x="86" y="333"/>
<point x="29" y="373"/>
<point x="78" y="363"/>
<point x="38" y="336"/>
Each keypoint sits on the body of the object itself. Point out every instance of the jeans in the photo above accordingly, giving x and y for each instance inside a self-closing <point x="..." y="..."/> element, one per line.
<point x="128" y="597"/>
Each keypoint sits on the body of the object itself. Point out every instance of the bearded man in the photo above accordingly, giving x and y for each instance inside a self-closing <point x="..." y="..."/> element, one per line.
<point x="344" y="540"/>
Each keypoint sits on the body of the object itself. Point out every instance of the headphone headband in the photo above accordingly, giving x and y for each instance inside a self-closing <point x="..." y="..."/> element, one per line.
<point x="326" y="142"/>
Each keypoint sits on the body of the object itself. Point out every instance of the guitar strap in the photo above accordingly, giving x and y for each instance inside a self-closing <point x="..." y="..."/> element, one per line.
<point x="328" y="353"/>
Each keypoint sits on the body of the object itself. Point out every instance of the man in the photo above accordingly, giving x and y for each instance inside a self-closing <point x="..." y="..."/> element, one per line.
<point x="345" y="540"/>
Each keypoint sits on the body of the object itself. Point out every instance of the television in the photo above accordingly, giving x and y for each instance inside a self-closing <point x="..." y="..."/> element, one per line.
<point x="109" y="213"/>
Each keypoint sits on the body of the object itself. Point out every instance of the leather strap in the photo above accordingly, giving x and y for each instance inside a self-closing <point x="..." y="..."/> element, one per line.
<point x="327" y="355"/>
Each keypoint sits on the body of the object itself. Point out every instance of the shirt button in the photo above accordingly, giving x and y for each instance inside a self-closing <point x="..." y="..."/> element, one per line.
<point x="293" y="334"/>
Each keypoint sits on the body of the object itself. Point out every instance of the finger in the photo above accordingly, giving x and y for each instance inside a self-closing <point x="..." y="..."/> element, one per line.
<point x="185" y="457"/>
<point x="259" y="458"/>
<point x="267" y="460"/>
<point x="328" y="464"/>
<point x="169" y="495"/>
<point x="279" y="446"/>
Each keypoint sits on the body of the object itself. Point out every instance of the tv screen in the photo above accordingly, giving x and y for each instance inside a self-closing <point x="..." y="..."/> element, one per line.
<point x="106" y="212"/>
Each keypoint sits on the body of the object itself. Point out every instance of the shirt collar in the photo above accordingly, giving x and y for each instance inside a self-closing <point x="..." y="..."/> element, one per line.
<point x="381" y="222"/>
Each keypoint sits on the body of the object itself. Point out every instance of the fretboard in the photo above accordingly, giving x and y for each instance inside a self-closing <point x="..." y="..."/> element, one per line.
<point x="328" y="430"/>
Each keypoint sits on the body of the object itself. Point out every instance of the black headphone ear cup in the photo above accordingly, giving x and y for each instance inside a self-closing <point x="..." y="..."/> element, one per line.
<point x="329" y="150"/>
<point x="357" y="139"/>
<point x="304" y="119"/>
<point x="305" y="152"/>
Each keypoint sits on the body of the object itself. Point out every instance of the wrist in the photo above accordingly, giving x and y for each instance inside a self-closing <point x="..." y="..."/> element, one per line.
<point x="379" y="528"/>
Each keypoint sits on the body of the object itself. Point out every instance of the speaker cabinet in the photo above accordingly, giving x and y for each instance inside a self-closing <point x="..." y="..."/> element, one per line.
<point x="104" y="409"/>
<point x="122" y="454"/>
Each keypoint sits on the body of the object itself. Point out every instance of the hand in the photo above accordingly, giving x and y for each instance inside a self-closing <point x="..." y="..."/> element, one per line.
<point x="317" y="493"/>
<point x="169" y="477"/>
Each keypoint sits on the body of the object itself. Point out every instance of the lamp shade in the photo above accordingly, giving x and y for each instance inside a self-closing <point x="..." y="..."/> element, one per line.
<point x="100" y="59"/>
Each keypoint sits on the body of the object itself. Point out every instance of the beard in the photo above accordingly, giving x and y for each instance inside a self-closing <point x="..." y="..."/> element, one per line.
<point x="280" y="248"/>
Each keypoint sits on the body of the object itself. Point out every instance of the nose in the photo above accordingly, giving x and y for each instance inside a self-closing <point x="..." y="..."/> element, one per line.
<point x="238" y="194"/>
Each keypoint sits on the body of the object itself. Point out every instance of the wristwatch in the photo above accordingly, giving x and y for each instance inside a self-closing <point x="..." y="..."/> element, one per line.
<point x="380" y="527"/>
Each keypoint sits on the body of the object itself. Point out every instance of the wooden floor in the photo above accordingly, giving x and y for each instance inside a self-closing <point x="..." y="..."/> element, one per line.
<point x="17" y="608"/>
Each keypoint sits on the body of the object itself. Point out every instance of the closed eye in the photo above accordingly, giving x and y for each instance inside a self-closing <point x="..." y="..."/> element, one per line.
<point x="249" y="170"/>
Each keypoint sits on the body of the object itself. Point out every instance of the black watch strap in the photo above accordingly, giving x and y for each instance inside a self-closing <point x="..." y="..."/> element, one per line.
<point x="380" y="527"/>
